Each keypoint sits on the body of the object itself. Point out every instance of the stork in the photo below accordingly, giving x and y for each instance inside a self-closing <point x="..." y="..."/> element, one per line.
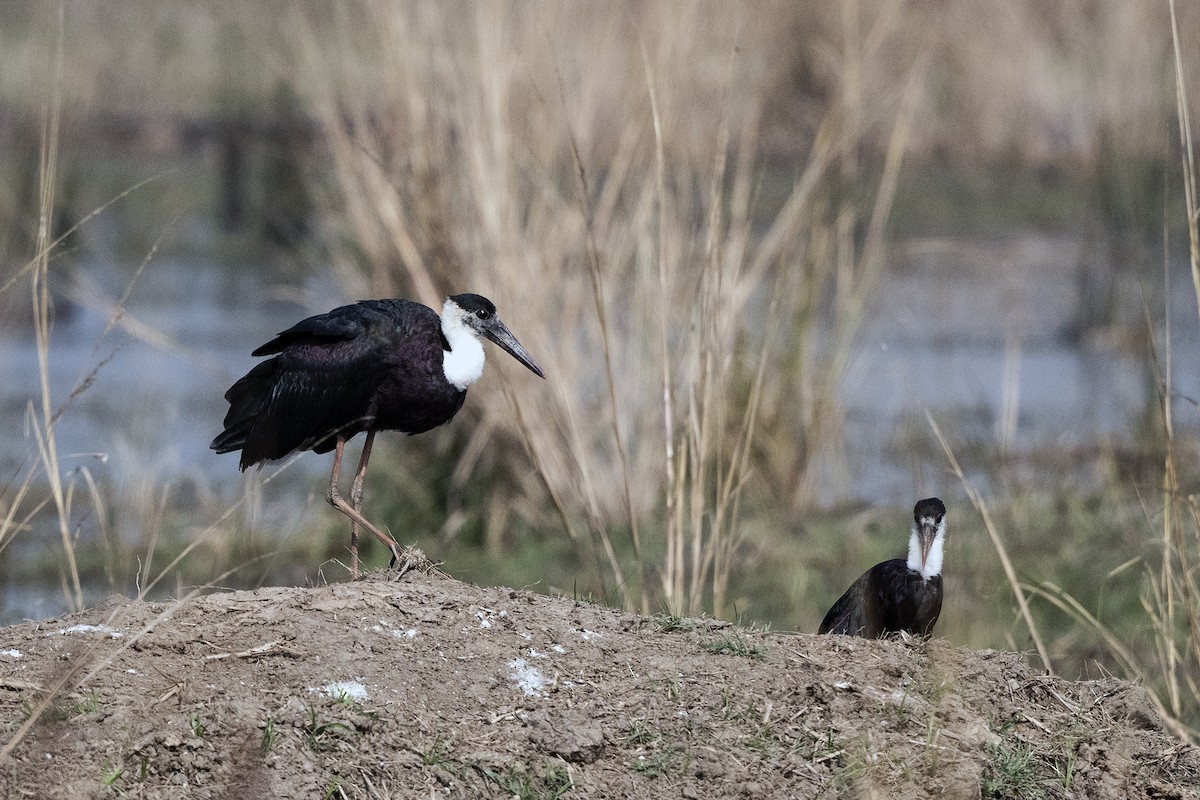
<point x="375" y="365"/>
<point x="900" y="594"/>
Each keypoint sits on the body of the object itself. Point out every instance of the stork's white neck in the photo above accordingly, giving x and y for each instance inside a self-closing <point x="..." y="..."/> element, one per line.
<point x="463" y="362"/>
<point x="933" y="564"/>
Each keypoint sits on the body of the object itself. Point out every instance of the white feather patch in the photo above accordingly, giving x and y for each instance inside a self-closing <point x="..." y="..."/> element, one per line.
<point x="933" y="564"/>
<point x="463" y="362"/>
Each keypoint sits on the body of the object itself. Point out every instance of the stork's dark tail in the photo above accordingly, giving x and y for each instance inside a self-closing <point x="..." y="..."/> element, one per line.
<point x="247" y="398"/>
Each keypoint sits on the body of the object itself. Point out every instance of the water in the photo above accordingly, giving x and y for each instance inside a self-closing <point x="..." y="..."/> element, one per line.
<point x="945" y="325"/>
<point x="156" y="401"/>
<point x="944" y="333"/>
<point x="937" y="337"/>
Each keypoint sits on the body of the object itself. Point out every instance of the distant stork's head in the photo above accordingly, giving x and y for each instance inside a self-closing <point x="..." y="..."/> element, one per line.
<point x="465" y="318"/>
<point x="928" y="538"/>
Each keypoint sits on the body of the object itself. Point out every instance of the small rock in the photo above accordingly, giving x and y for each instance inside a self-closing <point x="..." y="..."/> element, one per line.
<point x="1135" y="705"/>
<point x="707" y="764"/>
<point x="572" y="737"/>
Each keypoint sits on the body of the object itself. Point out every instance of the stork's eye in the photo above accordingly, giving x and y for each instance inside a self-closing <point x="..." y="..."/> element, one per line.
<point x="483" y="313"/>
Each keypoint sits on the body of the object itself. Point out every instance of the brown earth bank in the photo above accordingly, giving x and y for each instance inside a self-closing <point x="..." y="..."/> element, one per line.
<point x="423" y="686"/>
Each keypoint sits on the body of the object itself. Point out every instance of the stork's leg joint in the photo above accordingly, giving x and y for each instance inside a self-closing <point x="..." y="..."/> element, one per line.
<point x="356" y="488"/>
<point x="335" y="500"/>
<point x="331" y="495"/>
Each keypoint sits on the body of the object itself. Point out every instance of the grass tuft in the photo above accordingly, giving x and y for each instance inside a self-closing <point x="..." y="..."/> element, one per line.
<point x="1009" y="772"/>
<point x="671" y="623"/>
<point x="735" y="645"/>
<point x="269" y="736"/>
<point x="519" y="781"/>
<point x="322" y="736"/>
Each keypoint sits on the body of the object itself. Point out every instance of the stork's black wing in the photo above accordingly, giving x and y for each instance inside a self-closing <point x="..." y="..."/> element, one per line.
<point x="887" y="598"/>
<point x="323" y="382"/>
<point x="849" y="614"/>
<point x="346" y="323"/>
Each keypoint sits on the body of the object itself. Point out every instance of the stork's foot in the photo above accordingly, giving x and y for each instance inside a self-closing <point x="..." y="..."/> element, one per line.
<point x="410" y="559"/>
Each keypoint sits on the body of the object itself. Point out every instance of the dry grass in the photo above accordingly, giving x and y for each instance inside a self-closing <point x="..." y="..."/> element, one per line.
<point x="1171" y="593"/>
<point x="681" y="317"/>
<point x="42" y="416"/>
<point x="1010" y="574"/>
<point x="63" y="494"/>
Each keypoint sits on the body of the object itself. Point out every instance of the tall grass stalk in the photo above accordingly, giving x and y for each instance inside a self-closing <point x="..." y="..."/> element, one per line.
<point x="1187" y="154"/>
<point x="1171" y="598"/>
<point x="1010" y="573"/>
<point x="673" y="560"/>
<point x="75" y="496"/>
<point x="43" y="427"/>
<point x="596" y="274"/>
<point x="42" y="415"/>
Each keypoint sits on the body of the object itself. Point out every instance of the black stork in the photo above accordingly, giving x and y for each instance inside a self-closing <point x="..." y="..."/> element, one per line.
<point x="898" y="595"/>
<point x="371" y="366"/>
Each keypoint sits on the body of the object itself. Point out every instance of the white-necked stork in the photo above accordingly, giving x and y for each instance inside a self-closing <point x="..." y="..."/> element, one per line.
<point x="375" y="365"/>
<point x="900" y="594"/>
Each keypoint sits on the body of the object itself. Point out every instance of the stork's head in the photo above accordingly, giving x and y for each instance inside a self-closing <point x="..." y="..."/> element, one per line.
<point x="928" y="537"/>
<point x="475" y="316"/>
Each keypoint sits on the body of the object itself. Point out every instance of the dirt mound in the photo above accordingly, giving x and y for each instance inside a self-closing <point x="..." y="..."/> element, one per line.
<point x="428" y="687"/>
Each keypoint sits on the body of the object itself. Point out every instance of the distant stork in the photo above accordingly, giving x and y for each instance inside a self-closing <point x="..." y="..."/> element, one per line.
<point x="898" y="595"/>
<point x="376" y="365"/>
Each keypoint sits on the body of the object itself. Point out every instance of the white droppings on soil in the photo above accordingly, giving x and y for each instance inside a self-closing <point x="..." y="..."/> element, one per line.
<point x="339" y="689"/>
<point x="399" y="633"/>
<point x="104" y="629"/>
<point x="528" y="678"/>
<point x="11" y="653"/>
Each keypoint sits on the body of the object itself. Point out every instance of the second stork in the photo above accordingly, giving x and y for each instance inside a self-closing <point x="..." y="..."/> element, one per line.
<point x="900" y="594"/>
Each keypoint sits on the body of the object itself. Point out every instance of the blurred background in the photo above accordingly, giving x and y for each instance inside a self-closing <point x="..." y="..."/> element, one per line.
<point x="789" y="267"/>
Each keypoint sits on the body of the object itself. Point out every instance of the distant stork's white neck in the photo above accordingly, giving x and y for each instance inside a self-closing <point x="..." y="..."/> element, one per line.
<point x="933" y="561"/>
<point x="463" y="362"/>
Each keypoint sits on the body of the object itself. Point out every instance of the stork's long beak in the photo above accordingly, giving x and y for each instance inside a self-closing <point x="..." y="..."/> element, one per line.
<point x="925" y="535"/>
<point x="495" y="330"/>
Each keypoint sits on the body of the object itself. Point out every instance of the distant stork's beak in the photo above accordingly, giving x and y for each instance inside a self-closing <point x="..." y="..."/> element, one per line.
<point x="926" y="533"/>
<point x="495" y="330"/>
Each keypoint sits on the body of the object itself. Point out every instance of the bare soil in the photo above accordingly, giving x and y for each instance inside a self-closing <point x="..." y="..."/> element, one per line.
<point x="423" y="686"/>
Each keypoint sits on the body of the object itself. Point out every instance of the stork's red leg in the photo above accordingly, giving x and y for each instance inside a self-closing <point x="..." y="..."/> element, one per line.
<point x="353" y="511"/>
<point x="336" y="501"/>
<point x="356" y="488"/>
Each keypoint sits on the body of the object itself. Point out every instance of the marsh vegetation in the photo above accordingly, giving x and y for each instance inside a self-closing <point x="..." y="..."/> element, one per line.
<point x="710" y="225"/>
